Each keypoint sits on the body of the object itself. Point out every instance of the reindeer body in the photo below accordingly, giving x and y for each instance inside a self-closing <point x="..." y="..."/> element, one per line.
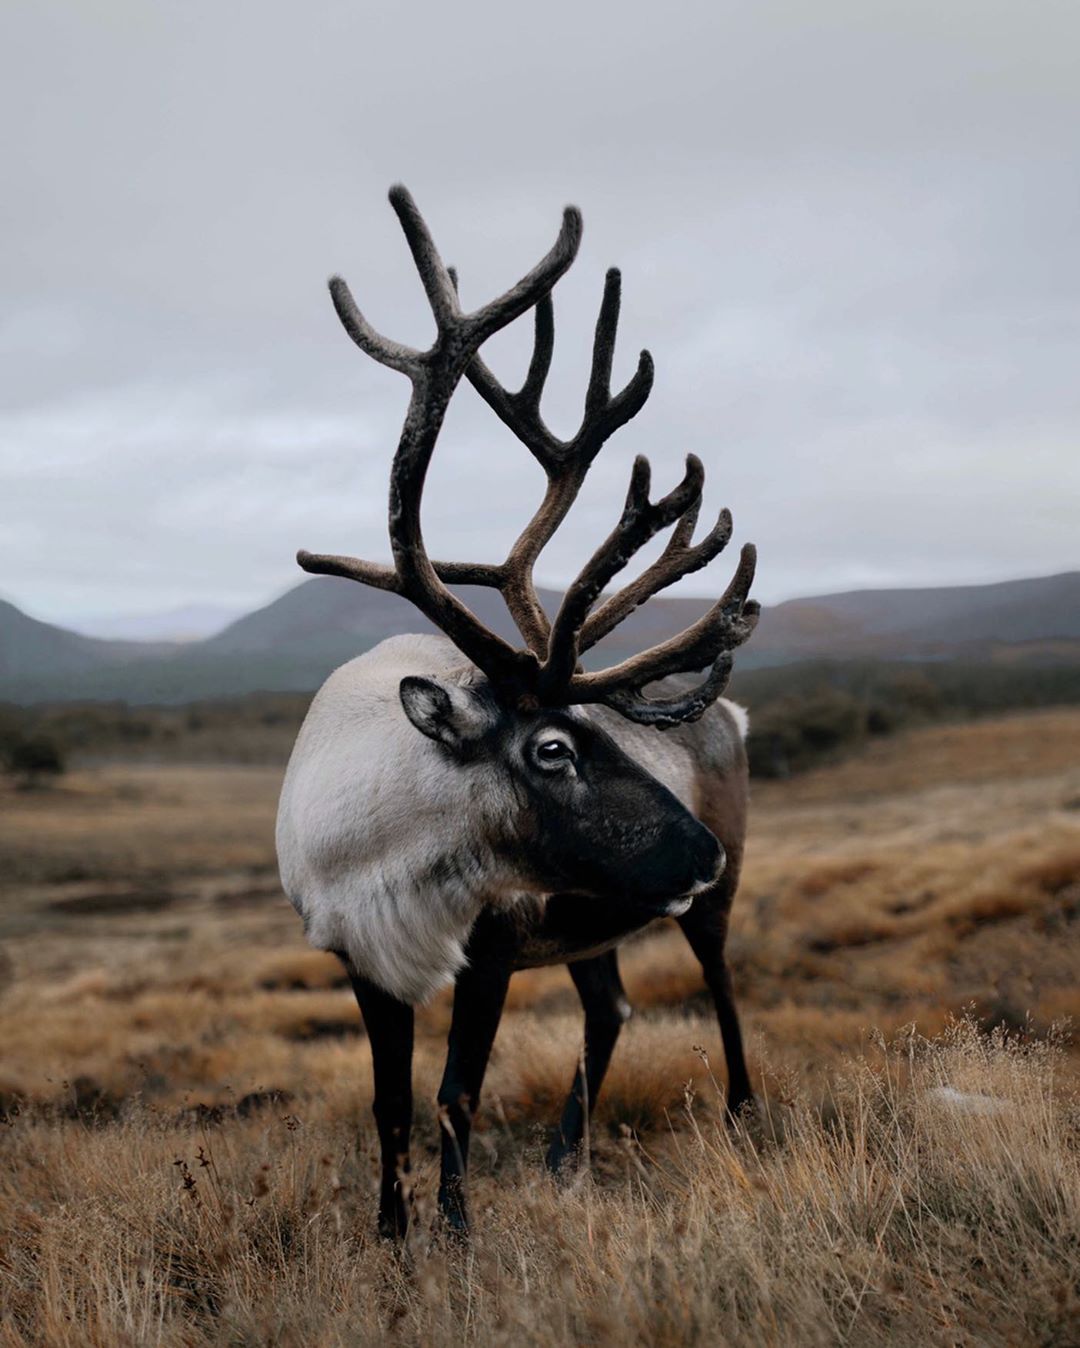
<point x="419" y="868"/>
<point x="389" y="849"/>
<point x="456" y="809"/>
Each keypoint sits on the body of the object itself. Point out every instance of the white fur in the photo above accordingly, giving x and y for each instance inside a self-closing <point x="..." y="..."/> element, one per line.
<point x="739" y="715"/>
<point x="370" y="837"/>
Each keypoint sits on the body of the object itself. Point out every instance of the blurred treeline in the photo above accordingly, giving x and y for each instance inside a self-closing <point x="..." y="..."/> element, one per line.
<point x="255" y="728"/>
<point x="800" y="715"/>
<point x="808" y="713"/>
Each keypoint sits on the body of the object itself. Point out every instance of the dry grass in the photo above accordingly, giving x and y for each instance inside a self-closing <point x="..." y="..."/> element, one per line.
<point x="158" y="999"/>
<point x="899" y="1215"/>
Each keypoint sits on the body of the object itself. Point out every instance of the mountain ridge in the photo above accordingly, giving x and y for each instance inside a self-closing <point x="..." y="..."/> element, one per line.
<point x="292" y="643"/>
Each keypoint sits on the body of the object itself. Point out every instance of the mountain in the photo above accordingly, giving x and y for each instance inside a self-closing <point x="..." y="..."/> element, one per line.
<point x="294" y="642"/>
<point x="925" y="623"/>
<point x="332" y="614"/>
<point x="32" y="650"/>
<point x="331" y="620"/>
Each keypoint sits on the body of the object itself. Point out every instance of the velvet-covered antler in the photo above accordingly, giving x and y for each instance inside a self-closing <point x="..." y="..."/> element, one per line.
<point x="547" y="670"/>
<point x="566" y="462"/>
<point x="435" y="374"/>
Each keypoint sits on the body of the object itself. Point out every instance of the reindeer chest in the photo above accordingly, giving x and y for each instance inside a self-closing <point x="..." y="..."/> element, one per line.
<point x="567" y="927"/>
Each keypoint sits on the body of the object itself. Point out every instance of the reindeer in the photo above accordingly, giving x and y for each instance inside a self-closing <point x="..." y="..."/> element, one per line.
<point x="457" y="808"/>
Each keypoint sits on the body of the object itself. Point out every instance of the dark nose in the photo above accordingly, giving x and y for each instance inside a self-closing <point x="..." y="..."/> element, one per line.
<point x="704" y="854"/>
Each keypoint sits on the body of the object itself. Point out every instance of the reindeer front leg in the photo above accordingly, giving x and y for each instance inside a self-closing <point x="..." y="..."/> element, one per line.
<point x="705" y="927"/>
<point x="479" y="994"/>
<point x="389" y="1025"/>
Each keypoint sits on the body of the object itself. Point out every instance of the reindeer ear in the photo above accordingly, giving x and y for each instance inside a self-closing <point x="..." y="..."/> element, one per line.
<point x="444" y="712"/>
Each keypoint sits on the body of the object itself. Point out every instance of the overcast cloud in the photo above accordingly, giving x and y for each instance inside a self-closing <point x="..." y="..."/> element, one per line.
<point x="849" y="233"/>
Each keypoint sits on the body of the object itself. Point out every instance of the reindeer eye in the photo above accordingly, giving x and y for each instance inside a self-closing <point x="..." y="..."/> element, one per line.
<point x="554" y="751"/>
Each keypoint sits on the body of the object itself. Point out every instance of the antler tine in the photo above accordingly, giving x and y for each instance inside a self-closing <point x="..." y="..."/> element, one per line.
<point x="435" y="374"/>
<point x="393" y="354"/>
<point x="640" y="520"/>
<point x="520" y="411"/>
<point x="565" y="462"/>
<point x="437" y="282"/>
<point x="485" y="322"/>
<point x="598" y="393"/>
<point x="678" y="559"/>
<point x="603" y="414"/>
<point x="543" y="349"/>
<point x="726" y="625"/>
<point x="460" y="335"/>
<point x="663" y="713"/>
<point x="386" y="578"/>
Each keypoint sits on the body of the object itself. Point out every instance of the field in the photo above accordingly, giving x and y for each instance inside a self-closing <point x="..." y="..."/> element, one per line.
<point x="188" y="1157"/>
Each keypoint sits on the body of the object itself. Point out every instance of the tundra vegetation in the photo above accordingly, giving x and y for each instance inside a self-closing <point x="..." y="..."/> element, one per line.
<point x="187" y="1152"/>
<point x="804" y="714"/>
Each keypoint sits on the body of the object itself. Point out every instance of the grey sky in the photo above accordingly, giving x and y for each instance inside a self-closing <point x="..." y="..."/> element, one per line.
<point x="848" y="233"/>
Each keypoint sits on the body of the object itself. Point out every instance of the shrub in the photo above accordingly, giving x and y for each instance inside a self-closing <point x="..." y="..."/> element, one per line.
<point x="794" y="731"/>
<point x="813" y="711"/>
<point x="33" y="757"/>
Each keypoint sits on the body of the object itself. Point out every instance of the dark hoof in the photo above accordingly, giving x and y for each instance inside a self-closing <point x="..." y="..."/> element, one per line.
<point x="751" y="1120"/>
<point x="393" y="1228"/>
<point x="395" y="1209"/>
<point x="564" y="1162"/>
<point x="454" y="1218"/>
<point x="741" y="1110"/>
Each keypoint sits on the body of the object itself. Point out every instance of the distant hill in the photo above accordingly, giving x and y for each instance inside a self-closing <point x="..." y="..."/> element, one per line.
<point x="925" y="622"/>
<point x="331" y="614"/>
<point x="31" y="650"/>
<point x="294" y="642"/>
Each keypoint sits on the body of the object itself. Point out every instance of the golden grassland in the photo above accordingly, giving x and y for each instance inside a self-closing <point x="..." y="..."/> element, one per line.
<point x="187" y="1158"/>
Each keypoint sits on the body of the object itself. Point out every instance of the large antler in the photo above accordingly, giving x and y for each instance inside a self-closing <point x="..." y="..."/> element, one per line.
<point x="435" y="374"/>
<point x="547" y="671"/>
<point x="566" y="462"/>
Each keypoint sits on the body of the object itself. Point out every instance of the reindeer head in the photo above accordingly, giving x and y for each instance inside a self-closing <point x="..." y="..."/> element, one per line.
<point x="559" y="803"/>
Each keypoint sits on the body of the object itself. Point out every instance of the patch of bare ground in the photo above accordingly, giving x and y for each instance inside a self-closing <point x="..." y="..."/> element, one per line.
<point x="186" y="1155"/>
